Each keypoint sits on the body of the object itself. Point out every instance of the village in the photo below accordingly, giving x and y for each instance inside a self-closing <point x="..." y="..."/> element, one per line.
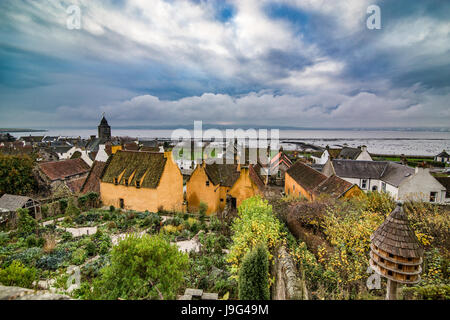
<point x="76" y="200"/>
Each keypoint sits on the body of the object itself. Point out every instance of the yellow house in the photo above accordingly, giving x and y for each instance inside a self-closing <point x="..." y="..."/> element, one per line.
<point x="140" y="181"/>
<point x="302" y="180"/>
<point x="215" y="184"/>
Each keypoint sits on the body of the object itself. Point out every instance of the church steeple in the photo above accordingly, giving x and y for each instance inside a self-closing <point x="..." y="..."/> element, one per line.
<point x="104" y="130"/>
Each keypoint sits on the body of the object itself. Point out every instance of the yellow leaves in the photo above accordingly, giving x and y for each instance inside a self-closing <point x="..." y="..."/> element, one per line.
<point x="424" y="239"/>
<point x="172" y="229"/>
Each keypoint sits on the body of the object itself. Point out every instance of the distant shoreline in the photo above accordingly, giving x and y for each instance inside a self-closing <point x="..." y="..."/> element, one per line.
<point x="15" y="130"/>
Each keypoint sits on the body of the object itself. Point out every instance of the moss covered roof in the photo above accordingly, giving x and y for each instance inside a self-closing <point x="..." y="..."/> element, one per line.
<point x="148" y="166"/>
<point x="223" y="174"/>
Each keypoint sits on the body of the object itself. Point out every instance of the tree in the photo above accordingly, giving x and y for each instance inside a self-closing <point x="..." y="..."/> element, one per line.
<point x="254" y="275"/>
<point x="142" y="267"/>
<point x="16" y="174"/>
<point x="26" y="224"/>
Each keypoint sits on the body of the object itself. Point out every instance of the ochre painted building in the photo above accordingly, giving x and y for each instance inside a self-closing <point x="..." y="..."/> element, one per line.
<point x="142" y="181"/>
<point x="215" y="184"/>
<point x="303" y="181"/>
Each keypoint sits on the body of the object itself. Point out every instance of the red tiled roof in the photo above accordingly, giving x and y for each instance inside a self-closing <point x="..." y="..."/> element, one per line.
<point x="255" y="177"/>
<point x="76" y="184"/>
<point x="333" y="186"/>
<point x="306" y="176"/>
<point x="61" y="170"/>
<point x="92" y="182"/>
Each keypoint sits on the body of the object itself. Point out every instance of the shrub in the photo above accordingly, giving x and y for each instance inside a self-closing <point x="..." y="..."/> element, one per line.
<point x="111" y="225"/>
<point x="152" y="219"/>
<point x="72" y="209"/>
<point x="429" y="292"/>
<point x="78" y="256"/>
<point x="254" y="225"/>
<point x="26" y="223"/>
<point x="16" y="274"/>
<point x="254" y="275"/>
<point x="4" y="238"/>
<point x="202" y="209"/>
<point x="146" y="267"/>
<point x="63" y="205"/>
<point x="66" y="236"/>
<point x="45" y="210"/>
<point x="31" y="241"/>
<point x="91" y="249"/>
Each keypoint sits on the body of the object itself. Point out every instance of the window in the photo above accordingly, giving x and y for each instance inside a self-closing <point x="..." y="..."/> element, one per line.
<point x="374" y="188"/>
<point x="221" y="199"/>
<point x="126" y="182"/>
<point x="400" y="267"/>
<point x="207" y="183"/>
<point x="138" y="184"/>
<point x="364" y="184"/>
<point x="293" y="187"/>
<point x="121" y="203"/>
<point x="116" y="181"/>
<point x="433" y="196"/>
<point x="390" y="273"/>
<point x="383" y="186"/>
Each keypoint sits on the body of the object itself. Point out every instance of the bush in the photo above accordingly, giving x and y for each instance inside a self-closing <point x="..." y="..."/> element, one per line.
<point x="91" y="249"/>
<point x="16" y="274"/>
<point x="79" y="256"/>
<point x="45" y="210"/>
<point x="72" y="209"/>
<point x="26" y="223"/>
<point x="63" y="205"/>
<point x="31" y="241"/>
<point x="142" y="268"/>
<point x="4" y="238"/>
<point x="254" y="275"/>
<point x="112" y="208"/>
<point x="66" y="236"/>
<point x="202" y="209"/>
<point x="429" y="292"/>
<point x="254" y="225"/>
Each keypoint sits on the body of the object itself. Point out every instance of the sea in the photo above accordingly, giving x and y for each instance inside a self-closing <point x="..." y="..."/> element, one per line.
<point x="386" y="142"/>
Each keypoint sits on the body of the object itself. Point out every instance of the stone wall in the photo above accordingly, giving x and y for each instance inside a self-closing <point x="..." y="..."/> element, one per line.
<point x="288" y="283"/>
<point x="17" y="293"/>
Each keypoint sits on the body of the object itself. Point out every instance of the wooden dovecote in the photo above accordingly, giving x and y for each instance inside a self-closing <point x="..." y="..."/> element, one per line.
<point x="396" y="253"/>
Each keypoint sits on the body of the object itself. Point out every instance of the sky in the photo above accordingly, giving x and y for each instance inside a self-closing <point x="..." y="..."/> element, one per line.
<point x="298" y="63"/>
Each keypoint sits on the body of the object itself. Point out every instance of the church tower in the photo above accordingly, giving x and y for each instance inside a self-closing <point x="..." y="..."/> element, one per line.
<point x="104" y="130"/>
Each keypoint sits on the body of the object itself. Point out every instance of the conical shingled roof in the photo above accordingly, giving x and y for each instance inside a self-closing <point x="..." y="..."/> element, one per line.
<point x="395" y="236"/>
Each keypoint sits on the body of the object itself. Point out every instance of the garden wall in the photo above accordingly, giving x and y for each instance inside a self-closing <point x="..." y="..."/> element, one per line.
<point x="288" y="284"/>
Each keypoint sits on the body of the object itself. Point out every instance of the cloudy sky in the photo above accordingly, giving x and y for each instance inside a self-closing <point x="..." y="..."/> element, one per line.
<point x="302" y="63"/>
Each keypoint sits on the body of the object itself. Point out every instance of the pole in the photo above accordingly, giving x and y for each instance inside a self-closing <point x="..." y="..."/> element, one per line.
<point x="391" y="291"/>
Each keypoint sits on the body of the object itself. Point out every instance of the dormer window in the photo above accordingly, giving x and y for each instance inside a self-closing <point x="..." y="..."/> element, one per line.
<point x="116" y="181"/>
<point x="126" y="182"/>
<point x="138" y="184"/>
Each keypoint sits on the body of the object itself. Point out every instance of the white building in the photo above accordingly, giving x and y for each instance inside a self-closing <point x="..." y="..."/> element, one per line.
<point x="359" y="154"/>
<point x="402" y="182"/>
